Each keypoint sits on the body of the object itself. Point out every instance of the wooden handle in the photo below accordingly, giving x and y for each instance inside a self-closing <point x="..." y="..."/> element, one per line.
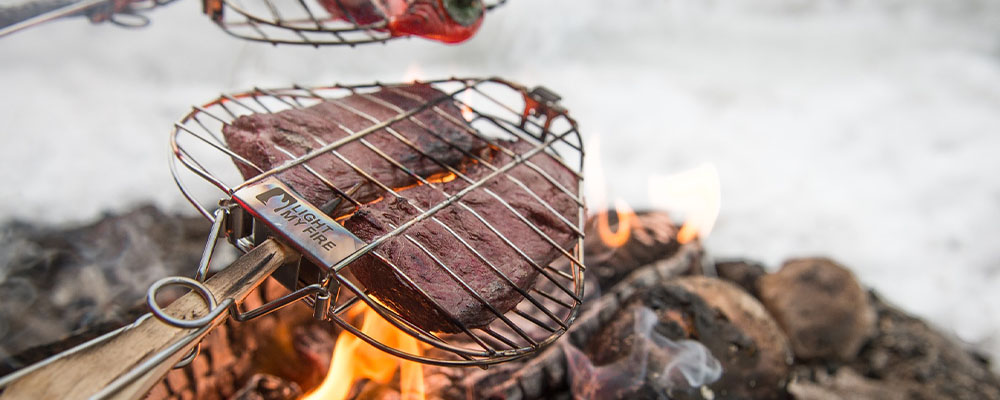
<point x="81" y="373"/>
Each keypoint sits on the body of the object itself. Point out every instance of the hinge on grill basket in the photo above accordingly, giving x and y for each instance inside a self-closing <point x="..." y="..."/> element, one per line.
<point x="542" y="102"/>
<point x="212" y="8"/>
<point x="246" y="232"/>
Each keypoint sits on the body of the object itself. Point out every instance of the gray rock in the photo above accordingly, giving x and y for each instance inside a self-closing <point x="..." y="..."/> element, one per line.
<point x="821" y="307"/>
<point x="745" y="274"/>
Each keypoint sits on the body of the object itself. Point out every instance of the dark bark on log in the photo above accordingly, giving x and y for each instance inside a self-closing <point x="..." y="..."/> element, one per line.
<point x="544" y="375"/>
<point x="653" y="237"/>
<point x="268" y="387"/>
<point x="754" y="352"/>
<point x="906" y="357"/>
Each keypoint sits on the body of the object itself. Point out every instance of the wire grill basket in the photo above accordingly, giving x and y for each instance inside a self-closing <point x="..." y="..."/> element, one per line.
<point x="494" y="110"/>
<point x="297" y="22"/>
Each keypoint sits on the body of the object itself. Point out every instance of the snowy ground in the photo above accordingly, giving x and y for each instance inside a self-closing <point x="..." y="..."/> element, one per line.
<point x="868" y="131"/>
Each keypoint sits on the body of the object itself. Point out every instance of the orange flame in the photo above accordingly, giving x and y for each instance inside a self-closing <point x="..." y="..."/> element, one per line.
<point x="695" y="193"/>
<point x="626" y="219"/>
<point x="597" y="195"/>
<point x="355" y="359"/>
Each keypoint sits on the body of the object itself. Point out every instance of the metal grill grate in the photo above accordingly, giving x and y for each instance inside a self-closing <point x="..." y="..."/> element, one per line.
<point x="297" y="22"/>
<point x="494" y="110"/>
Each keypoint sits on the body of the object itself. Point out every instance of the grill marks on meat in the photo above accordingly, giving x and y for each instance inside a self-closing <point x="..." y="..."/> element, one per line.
<point x="375" y="220"/>
<point x="260" y="138"/>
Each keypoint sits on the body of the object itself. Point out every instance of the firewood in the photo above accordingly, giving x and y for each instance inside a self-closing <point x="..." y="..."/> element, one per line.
<point x="905" y="359"/>
<point x="653" y="237"/>
<point x="268" y="387"/>
<point x="818" y="384"/>
<point x="908" y="355"/>
<point x="754" y="352"/>
<point x="545" y="373"/>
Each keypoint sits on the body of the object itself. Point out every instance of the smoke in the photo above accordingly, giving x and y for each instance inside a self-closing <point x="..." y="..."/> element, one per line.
<point x="653" y="364"/>
<point x="55" y="281"/>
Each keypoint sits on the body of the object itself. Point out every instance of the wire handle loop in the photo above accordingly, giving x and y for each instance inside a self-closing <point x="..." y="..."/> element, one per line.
<point x="195" y="286"/>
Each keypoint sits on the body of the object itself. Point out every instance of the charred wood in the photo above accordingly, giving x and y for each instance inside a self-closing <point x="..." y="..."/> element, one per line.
<point x="268" y="387"/>
<point x="906" y="357"/>
<point x="545" y="375"/>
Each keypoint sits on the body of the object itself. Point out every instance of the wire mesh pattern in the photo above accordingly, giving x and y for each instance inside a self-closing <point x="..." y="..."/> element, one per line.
<point x="494" y="111"/>
<point x="304" y="22"/>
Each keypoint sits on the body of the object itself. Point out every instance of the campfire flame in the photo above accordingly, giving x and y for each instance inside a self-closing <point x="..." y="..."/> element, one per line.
<point x="355" y="359"/>
<point x="626" y="220"/>
<point x="695" y="193"/>
<point x="616" y="237"/>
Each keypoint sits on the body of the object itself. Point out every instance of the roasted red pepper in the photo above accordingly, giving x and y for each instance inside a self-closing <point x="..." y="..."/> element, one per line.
<point x="448" y="21"/>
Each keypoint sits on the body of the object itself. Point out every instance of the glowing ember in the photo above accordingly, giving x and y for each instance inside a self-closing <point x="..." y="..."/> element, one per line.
<point x="694" y="193"/>
<point x="626" y="218"/>
<point x="355" y="359"/>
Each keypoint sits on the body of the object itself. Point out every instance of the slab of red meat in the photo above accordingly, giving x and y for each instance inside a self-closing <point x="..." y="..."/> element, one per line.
<point x="260" y="138"/>
<point x="375" y="220"/>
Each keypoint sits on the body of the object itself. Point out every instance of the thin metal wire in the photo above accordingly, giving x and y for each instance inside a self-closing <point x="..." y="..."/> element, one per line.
<point x="527" y="323"/>
<point x="126" y="15"/>
<point x="302" y="22"/>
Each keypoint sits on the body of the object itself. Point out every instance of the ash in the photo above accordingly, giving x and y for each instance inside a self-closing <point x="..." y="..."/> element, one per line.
<point x="862" y="130"/>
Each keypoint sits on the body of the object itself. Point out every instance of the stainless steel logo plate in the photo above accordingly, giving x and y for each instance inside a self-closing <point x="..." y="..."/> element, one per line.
<point x="312" y="232"/>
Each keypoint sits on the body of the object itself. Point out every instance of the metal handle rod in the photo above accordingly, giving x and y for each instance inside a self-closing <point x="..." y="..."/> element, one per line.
<point x="69" y="8"/>
<point x="120" y="365"/>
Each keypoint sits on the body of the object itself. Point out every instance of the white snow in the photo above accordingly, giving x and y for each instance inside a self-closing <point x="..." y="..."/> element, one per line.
<point x="868" y="131"/>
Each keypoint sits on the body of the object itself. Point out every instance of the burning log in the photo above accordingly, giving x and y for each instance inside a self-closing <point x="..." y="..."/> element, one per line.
<point x="754" y="352"/>
<point x="287" y="353"/>
<point x="729" y="326"/>
<point x="636" y="356"/>
<point x="648" y="238"/>
<point x="268" y="387"/>
<point x="545" y="375"/>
